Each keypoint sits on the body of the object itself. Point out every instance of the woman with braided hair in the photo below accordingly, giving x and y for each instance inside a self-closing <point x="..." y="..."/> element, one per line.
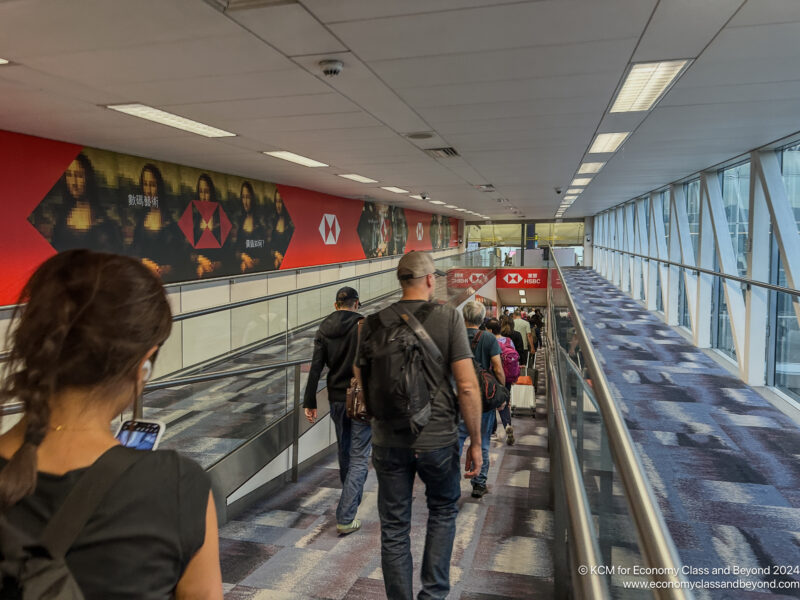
<point x="82" y="347"/>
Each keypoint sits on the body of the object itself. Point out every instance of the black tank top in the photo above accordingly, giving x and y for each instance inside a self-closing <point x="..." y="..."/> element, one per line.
<point x="141" y="538"/>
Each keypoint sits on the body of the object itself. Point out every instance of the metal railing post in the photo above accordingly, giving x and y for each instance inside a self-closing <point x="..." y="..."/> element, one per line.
<point x="296" y="427"/>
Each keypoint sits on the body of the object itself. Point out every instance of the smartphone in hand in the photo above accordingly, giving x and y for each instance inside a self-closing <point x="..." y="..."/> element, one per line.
<point x="141" y="435"/>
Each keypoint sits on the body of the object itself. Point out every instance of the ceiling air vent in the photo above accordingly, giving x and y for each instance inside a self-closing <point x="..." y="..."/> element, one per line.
<point x="484" y="187"/>
<point x="448" y="152"/>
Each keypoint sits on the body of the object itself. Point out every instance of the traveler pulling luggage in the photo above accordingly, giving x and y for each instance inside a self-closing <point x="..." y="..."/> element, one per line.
<point x="523" y="396"/>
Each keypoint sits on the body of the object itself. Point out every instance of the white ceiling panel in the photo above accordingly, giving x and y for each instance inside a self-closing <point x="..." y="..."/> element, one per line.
<point x="264" y="108"/>
<point x="682" y="28"/>
<point x="358" y="10"/>
<point x="494" y="28"/>
<point x="547" y="106"/>
<point x="223" y="87"/>
<point x="35" y="28"/>
<point x="529" y="62"/>
<point x="358" y="83"/>
<point x="598" y="84"/>
<point x="761" y="12"/>
<point x="290" y="28"/>
<point x="198" y="57"/>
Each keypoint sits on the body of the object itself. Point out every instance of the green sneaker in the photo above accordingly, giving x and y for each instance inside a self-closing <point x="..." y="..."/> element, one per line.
<point x="349" y="528"/>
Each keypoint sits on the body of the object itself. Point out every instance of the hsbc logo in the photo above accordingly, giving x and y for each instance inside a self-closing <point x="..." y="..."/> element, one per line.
<point x="476" y="278"/>
<point x="329" y="229"/>
<point x="420" y="231"/>
<point x="513" y="278"/>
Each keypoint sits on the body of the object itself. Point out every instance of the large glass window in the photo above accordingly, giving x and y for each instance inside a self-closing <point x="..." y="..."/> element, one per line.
<point x="724" y="341"/>
<point x="665" y="208"/>
<point x="787" y="331"/>
<point x="791" y="179"/>
<point x="692" y="190"/>
<point x="736" y="199"/>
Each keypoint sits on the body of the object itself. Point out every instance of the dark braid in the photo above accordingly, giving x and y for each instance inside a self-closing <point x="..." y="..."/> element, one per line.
<point x="89" y="320"/>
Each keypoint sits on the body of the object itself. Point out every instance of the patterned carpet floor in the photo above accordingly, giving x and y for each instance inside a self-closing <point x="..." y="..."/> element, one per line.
<point x="287" y="548"/>
<point x="723" y="462"/>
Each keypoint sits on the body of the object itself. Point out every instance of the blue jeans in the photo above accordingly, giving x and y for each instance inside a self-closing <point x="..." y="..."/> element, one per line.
<point x="505" y="414"/>
<point x="439" y="471"/>
<point x="487" y="425"/>
<point x="354" y="438"/>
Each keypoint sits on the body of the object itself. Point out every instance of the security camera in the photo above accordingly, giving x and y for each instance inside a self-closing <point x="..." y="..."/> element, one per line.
<point x="331" y="68"/>
<point x="558" y="190"/>
<point x="424" y="196"/>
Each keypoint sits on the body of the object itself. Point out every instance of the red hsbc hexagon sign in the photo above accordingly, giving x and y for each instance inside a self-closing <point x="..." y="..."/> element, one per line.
<point x="521" y="278"/>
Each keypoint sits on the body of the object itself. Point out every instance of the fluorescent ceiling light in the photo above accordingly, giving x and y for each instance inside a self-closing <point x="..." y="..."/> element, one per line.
<point x="590" y="167"/>
<point x="296" y="158"/>
<point x="461" y="209"/>
<point x="396" y="190"/>
<point x="435" y="201"/>
<point x="608" y="142"/>
<point x="646" y="84"/>
<point x="571" y="197"/>
<point x="451" y="206"/>
<point x="3" y="61"/>
<point x="522" y="292"/>
<point x="358" y="178"/>
<point x="523" y="300"/>
<point x="417" y="197"/>
<point x="164" y="118"/>
<point x="581" y="181"/>
<point x="574" y="191"/>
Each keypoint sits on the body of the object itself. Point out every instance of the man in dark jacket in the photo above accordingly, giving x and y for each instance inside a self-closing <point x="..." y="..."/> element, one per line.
<point x="335" y="347"/>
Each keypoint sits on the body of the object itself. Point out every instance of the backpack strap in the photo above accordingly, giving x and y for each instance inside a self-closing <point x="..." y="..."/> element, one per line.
<point x="435" y="367"/>
<point x="475" y="340"/>
<point x="83" y="499"/>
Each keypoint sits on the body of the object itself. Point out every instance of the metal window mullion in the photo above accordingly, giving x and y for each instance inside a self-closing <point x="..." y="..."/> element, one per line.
<point x="673" y="252"/>
<point x="687" y="250"/>
<point x="625" y="275"/>
<point x="659" y="236"/>
<point x="618" y="244"/>
<point x="641" y="220"/>
<point x="636" y="283"/>
<point x="727" y="263"/>
<point x="652" y="270"/>
<point x="783" y="220"/>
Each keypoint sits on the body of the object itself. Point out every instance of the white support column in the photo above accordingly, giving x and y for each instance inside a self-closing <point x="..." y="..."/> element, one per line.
<point x="684" y="236"/>
<point x="604" y="237"/>
<point x="673" y="254"/>
<point x="617" y="229"/>
<point x="727" y="263"/>
<point x="636" y="282"/>
<point x="659" y="244"/>
<point x="651" y="285"/>
<point x="783" y="221"/>
<point x="705" y="283"/>
<point x="642" y="218"/>
<point x="625" y="275"/>
<point x="754" y="363"/>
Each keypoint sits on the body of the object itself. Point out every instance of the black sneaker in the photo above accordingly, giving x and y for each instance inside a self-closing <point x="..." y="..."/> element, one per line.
<point x="510" y="435"/>
<point x="479" y="491"/>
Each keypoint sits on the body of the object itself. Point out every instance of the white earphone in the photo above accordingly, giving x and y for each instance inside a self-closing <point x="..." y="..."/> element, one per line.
<point x="147" y="370"/>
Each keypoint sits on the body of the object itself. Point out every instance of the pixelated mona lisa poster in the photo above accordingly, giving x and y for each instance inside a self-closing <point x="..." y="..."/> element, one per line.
<point x="183" y="222"/>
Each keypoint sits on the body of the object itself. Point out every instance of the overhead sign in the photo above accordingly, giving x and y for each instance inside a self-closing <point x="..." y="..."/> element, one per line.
<point x="521" y="278"/>
<point x="465" y="278"/>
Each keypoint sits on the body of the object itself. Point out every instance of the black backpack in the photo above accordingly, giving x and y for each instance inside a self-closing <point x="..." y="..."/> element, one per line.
<point x="493" y="393"/>
<point x="35" y="569"/>
<point x="401" y="368"/>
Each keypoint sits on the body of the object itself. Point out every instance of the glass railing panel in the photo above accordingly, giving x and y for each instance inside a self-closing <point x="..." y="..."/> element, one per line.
<point x="787" y="345"/>
<point x="611" y="512"/>
<point x="208" y="420"/>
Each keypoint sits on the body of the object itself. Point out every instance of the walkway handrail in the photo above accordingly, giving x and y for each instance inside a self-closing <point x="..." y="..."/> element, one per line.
<point x="745" y="280"/>
<point x="586" y="548"/>
<point x="215" y="375"/>
<point x="658" y="549"/>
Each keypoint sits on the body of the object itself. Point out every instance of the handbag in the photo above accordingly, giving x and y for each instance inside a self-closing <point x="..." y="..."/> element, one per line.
<point x="355" y="405"/>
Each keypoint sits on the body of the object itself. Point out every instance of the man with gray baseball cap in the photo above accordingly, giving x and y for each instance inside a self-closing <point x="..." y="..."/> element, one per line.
<point x="399" y="454"/>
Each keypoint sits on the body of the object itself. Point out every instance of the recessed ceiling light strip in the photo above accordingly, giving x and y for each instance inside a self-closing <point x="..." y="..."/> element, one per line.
<point x="171" y="120"/>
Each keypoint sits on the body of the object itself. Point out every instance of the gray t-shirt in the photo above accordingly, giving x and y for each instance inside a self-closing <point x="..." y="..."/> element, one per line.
<point x="524" y="328"/>
<point x="446" y="327"/>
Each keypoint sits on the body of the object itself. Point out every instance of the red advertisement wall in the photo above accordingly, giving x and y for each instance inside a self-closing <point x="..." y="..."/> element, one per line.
<point x="182" y="222"/>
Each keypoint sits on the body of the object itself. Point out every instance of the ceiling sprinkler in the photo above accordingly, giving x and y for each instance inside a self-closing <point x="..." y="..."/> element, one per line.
<point x="331" y="68"/>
